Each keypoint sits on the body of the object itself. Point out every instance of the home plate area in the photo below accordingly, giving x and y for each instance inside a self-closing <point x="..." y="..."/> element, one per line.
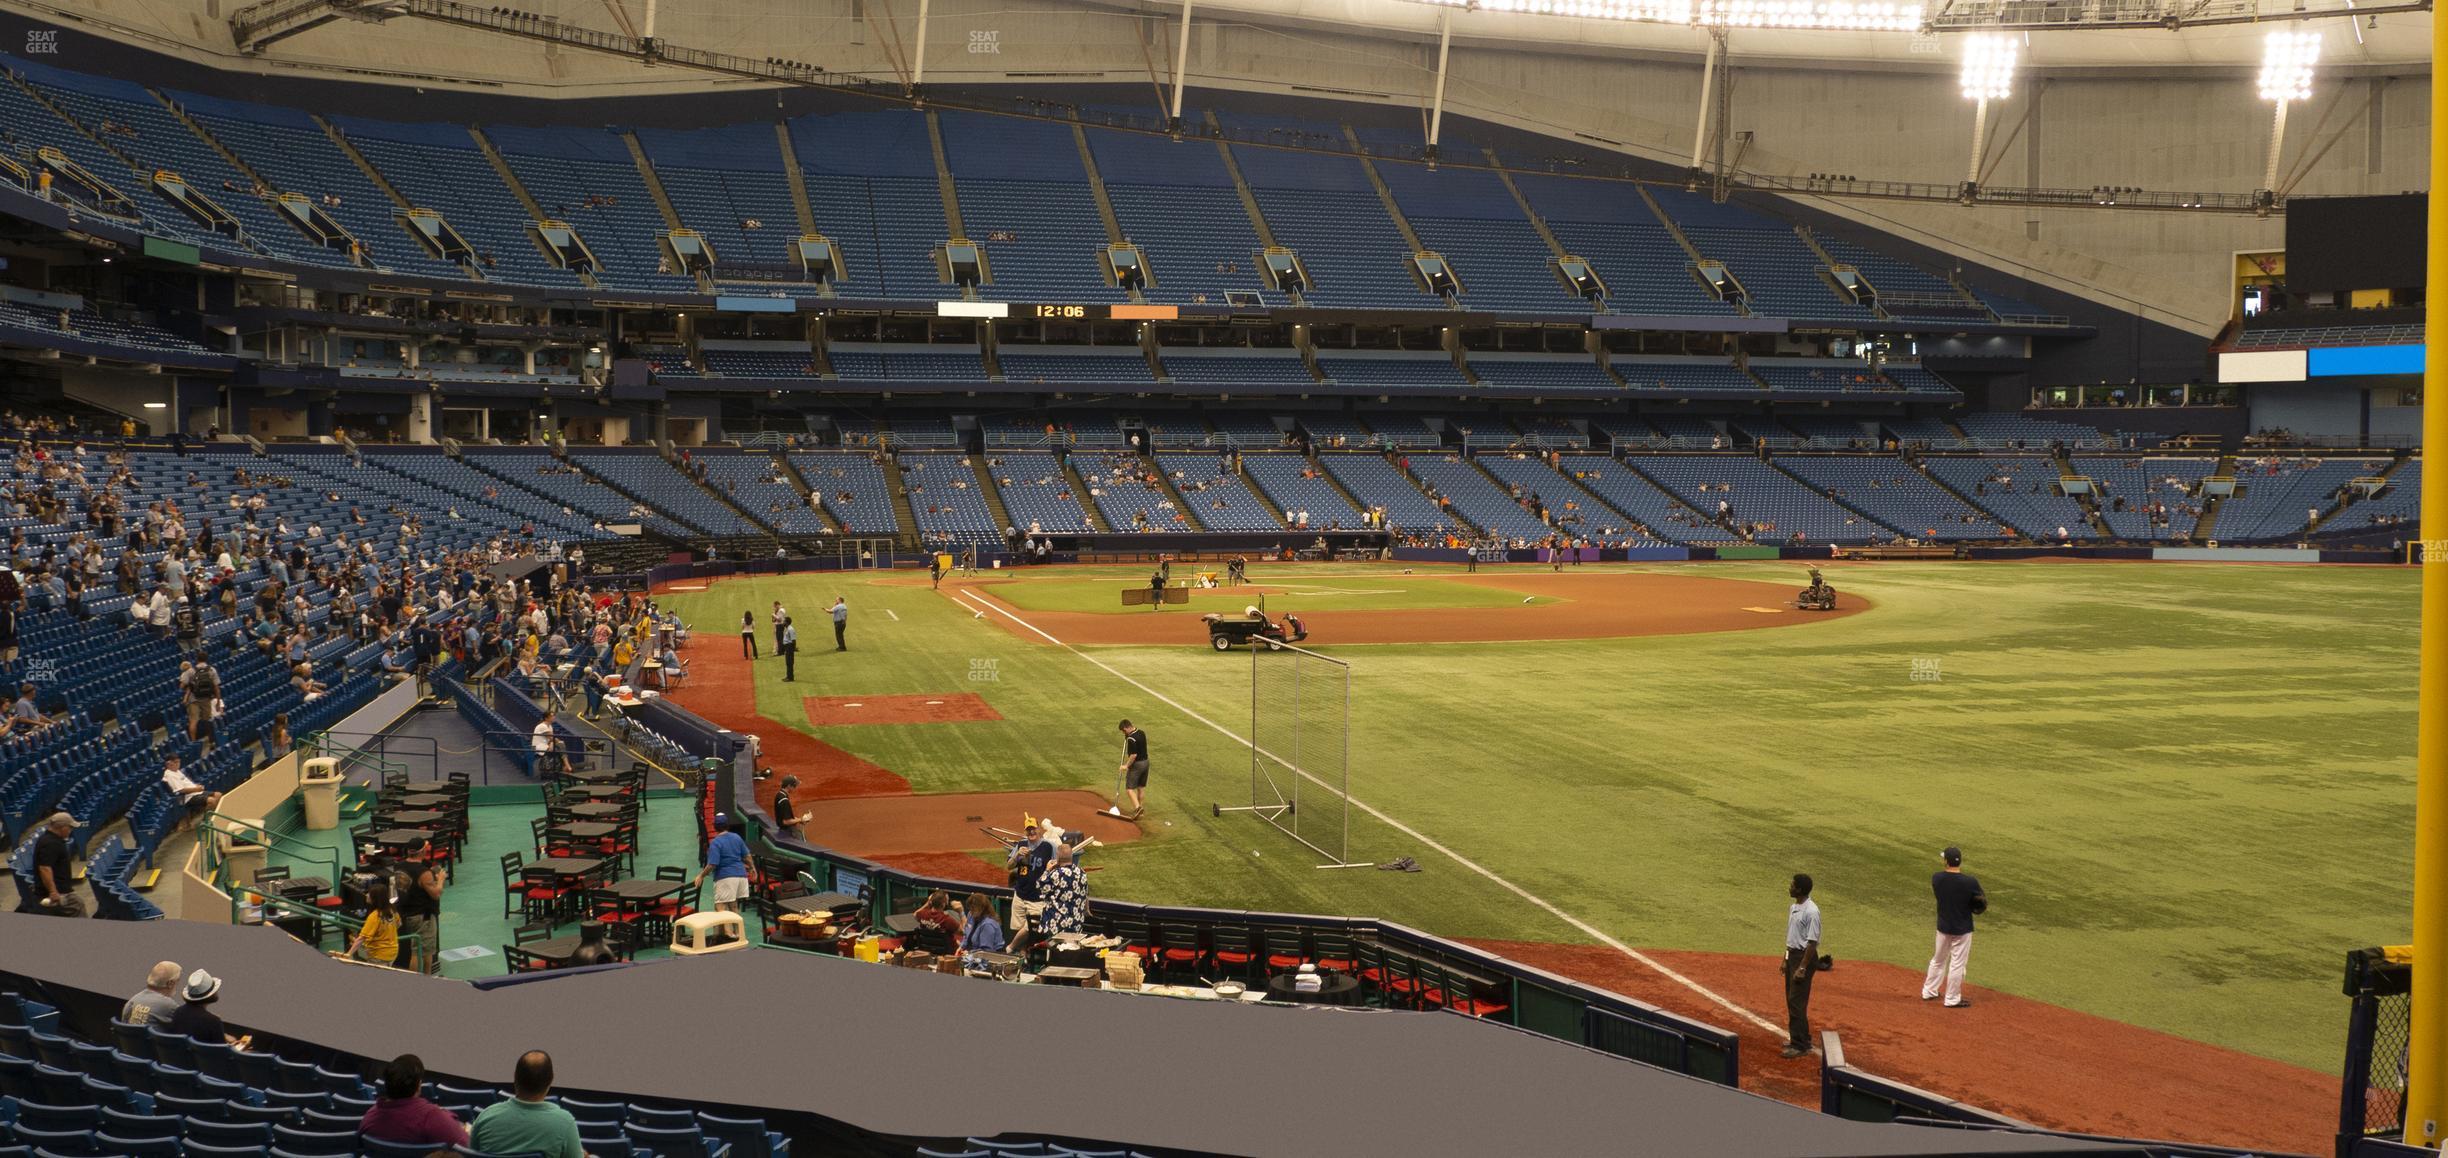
<point x="941" y="708"/>
<point x="952" y="822"/>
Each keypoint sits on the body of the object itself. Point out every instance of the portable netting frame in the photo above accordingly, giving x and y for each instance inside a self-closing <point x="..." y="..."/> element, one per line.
<point x="1300" y="730"/>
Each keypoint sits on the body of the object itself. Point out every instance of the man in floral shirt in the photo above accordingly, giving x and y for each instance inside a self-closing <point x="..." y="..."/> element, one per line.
<point x="1065" y="893"/>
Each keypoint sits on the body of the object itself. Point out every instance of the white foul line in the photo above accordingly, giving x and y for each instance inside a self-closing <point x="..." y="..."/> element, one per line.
<point x="1585" y="927"/>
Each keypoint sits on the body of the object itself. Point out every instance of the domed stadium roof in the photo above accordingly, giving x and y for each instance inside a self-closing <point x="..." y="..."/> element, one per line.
<point x="2163" y="35"/>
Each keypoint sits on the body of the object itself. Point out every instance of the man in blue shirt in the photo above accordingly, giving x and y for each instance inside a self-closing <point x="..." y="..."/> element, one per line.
<point x="1959" y="900"/>
<point x="841" y="623"/>
<point x="1027" y="862"/>
<point x="726" y="858"/>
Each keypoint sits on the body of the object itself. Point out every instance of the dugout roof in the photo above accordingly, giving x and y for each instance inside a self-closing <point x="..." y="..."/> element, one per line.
<point x="918" y="1054"/>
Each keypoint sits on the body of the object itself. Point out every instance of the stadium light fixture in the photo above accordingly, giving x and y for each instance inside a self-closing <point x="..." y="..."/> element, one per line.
<point x="1989" y="66"/>
<point x="2287" y="57"/>
<point x="1988" y="74"/>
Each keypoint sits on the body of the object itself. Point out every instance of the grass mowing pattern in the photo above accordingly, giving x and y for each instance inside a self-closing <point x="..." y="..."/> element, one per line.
<point x="2186" y="788"/>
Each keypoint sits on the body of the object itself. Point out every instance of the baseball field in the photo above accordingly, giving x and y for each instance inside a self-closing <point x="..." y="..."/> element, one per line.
<point x="2187" y="788"/>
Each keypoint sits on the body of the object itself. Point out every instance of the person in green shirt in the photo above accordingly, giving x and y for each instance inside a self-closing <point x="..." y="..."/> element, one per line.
<point x="525" y="1123"/>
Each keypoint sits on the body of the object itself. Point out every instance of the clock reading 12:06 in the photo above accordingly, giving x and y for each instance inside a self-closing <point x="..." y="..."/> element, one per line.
<point x="1058" y="311"/>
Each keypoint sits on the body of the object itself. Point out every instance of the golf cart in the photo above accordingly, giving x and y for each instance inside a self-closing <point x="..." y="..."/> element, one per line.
<point x="1253" y="628"/>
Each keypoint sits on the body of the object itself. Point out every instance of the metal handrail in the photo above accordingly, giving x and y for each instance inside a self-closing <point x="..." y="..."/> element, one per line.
<point x="216" y="824"/>
<point x="320" y="744"/>
<point x="267" y="905"/>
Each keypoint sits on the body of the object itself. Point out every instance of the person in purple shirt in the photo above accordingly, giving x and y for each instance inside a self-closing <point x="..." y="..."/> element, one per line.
<point x="403" y="1115"/>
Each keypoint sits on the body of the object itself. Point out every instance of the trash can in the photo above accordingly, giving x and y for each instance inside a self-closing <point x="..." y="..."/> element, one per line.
<point x="242" y="852"/>
<point x="319" y="793"/>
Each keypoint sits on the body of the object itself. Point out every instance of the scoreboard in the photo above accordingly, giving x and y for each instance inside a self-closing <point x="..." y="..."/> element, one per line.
<point x="1058" y="311"/>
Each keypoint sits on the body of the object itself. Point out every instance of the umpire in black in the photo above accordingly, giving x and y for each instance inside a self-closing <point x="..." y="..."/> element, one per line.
<point x="1801" y="962"/>
<point x="787" y="642"/>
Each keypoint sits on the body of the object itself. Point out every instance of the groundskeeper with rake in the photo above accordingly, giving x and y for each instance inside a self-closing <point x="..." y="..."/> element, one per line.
<point x="1131" y="777"/>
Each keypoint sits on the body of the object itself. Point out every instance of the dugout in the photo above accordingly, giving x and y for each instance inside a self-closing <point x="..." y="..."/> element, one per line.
<point x="859" y="1056"/>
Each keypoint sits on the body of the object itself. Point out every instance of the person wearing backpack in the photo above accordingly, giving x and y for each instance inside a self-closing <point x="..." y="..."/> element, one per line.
<point x="203" y="687"/>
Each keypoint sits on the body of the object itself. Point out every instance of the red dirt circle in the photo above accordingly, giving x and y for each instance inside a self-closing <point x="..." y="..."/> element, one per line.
<point x="1589" y="605"/>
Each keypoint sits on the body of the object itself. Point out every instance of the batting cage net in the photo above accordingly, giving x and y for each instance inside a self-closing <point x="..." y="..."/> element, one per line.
<point x="1300" y="749"/>
<point x="2379" y="1041"/>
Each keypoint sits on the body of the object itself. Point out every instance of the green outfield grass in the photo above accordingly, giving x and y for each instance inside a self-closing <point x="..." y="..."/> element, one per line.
<point x="2188" y="789"/>
<point x="1295" y="589"/>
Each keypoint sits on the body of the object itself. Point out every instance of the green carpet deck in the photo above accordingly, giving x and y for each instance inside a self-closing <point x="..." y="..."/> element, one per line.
<point x="472" y="901"/>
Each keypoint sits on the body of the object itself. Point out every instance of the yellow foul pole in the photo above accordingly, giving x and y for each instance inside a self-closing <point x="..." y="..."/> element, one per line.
<point x="2427" y="1079"/>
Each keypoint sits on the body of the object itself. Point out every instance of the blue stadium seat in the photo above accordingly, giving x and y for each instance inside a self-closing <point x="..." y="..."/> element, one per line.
<point x="120" y="1123"/>
<point x="1486" y="505"/>
<point x="1177" y="202"/>
<point x="42" y="1116"/>
<point x="855" y="488"/>
<point x="438" y="167"/>
<point x="384" y="1148"/>
<point x="213" y="1133"/>
<point x="222" y="1150"/>
<point x="119" y="1144"/>
<point x="1896" y="495"/>
<point x="2159" y="497"/>
<point x="1325" y="209"/>
<point x="675" y="1141"/>
<point x="746" y="1137"/>
<point x="2021" y="490"/>
<point x="314" y="1143"/>
<point x="1756" y="494"/>
<point x="589" y="181"/>
<point x="1378" y="483"/>
<point x="67" y="1143"/>
<point x="946" y="496"/>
